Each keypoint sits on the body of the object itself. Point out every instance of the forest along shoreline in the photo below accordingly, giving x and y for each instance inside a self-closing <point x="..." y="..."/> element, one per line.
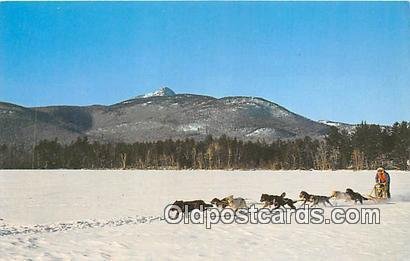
<point x="367" y="147"/>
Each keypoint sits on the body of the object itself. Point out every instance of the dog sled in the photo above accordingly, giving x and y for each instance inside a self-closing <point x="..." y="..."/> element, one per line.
<point x="379" y="192"/>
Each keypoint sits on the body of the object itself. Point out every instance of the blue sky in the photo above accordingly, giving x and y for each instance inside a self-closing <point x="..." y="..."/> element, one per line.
<point x="340" y="61"/>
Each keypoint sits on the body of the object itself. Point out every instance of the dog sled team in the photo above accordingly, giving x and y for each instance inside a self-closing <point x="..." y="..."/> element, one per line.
<point x="381" y="191"/>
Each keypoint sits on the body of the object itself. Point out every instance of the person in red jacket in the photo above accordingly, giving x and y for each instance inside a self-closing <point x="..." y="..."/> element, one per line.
<point x="383" y="177"/>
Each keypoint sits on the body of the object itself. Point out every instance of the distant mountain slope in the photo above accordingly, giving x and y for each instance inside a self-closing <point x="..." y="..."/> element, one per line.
<point x="157" y="116"/>
<point x="19" y="125"/>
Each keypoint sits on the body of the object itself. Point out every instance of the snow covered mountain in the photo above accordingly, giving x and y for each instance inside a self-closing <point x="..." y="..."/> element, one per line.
<point x="158" y="115"/>
<point x="163" y="91"/>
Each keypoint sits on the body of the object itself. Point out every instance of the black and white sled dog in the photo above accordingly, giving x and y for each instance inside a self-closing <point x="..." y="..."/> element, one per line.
<point x="180" y="206"/>
<point x="220" y="203"/>
<point x="236" y="203"/>
<point x="355" y="196"/>
<point x="230" y="201"/>
<point x="315" y="199"/>
<point x="340" y="195"/>
<point x="277" y="201"/>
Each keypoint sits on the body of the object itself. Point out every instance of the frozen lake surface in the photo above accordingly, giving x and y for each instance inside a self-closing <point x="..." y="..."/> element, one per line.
<point x="106" y="214"/>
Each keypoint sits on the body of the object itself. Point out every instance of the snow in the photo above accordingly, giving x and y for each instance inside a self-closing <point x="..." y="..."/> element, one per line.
<point x="122" y="125"/>
<point x="350" y="128"/>
<point x="330" y="123"/>
<point x="6" y="111"/>
<point x="191" y="127"/>
<point x="146" y="103"/>
<point x="262" y="132"/>
<point x="107" y="214"/>
<point x="164" y="91"/>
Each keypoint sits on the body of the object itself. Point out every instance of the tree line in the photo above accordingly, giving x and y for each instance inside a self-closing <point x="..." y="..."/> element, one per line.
<point x="367" y="147"/>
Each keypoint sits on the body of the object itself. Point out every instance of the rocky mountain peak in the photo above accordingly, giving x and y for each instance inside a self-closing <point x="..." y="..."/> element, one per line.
<point x="163" y="91"/>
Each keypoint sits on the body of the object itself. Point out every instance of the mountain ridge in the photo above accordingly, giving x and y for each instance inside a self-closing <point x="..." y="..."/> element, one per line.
<point x="160" y="115"/>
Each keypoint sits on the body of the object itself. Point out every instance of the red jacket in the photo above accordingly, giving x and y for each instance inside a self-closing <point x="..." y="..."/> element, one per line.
<point x="382" y="177"/>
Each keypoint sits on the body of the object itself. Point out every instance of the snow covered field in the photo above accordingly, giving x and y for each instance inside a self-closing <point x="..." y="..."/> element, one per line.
<point x="115" y="215"/>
